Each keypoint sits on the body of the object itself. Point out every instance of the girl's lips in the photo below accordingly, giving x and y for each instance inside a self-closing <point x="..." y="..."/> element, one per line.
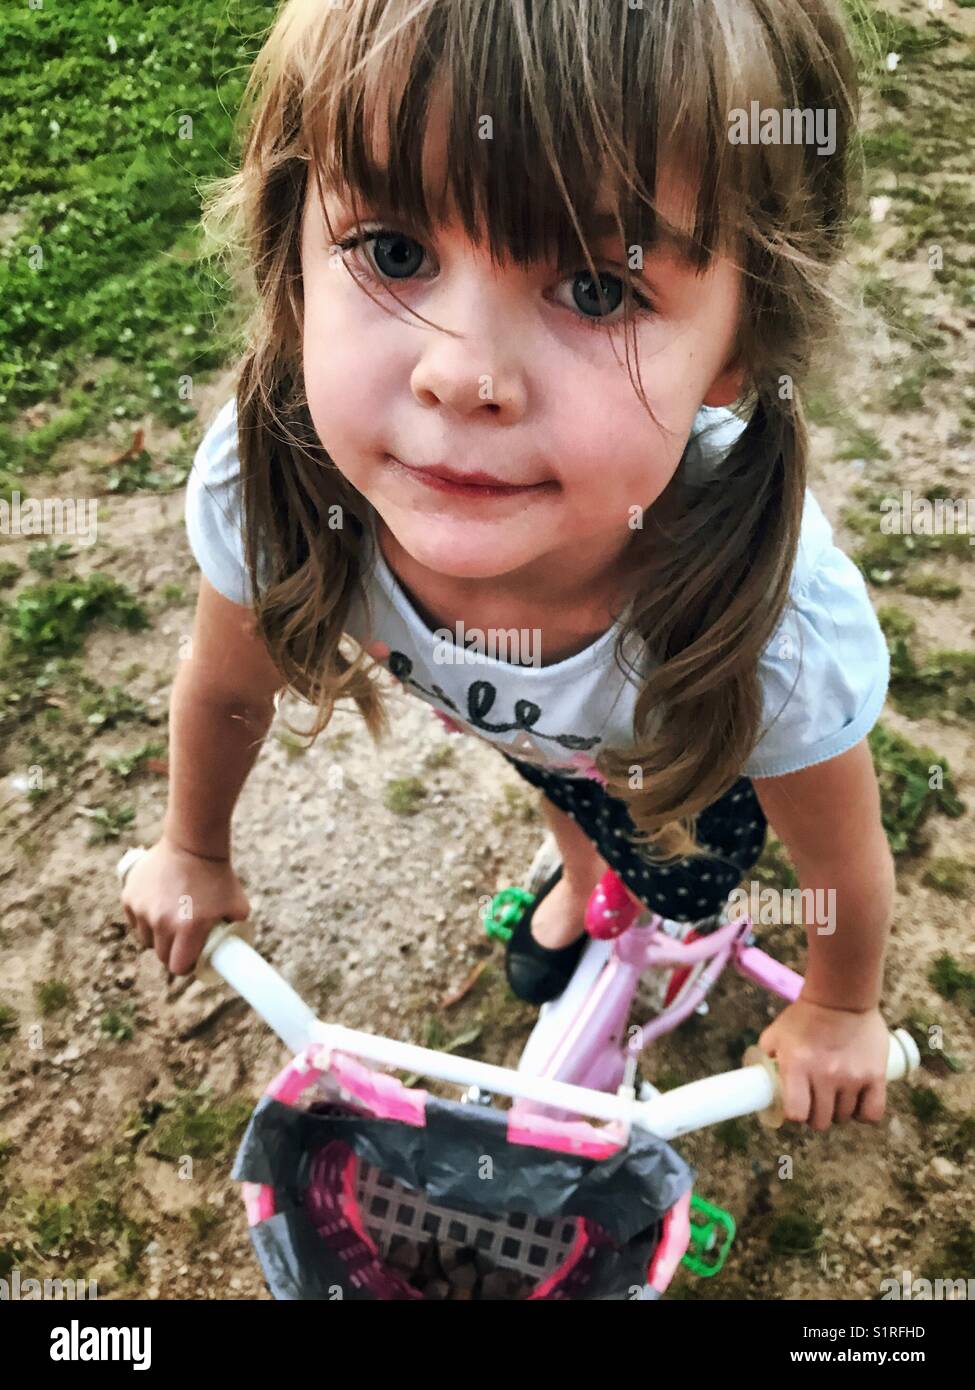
<point x="456" y="489"/>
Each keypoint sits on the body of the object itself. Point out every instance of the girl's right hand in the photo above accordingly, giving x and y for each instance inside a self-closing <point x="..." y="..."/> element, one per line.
<point x="173" y="899"/>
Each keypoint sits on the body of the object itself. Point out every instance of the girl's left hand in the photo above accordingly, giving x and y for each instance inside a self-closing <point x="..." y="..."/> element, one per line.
<point x="832" y="1063"/>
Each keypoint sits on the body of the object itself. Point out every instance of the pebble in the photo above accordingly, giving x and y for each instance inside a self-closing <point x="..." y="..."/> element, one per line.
<point x="454" y="1273"/>
<point x="943" y="1172"/>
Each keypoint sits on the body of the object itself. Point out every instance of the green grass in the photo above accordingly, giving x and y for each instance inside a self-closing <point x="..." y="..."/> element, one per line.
<point x="952" y="982"/>
<point x="944" y="680"/>
<point x="926" y="1105"/>
<point x="85" y="1224"/>
<point x="196" y="1127"/>
<point x="128" y="111"/>
<point x="895" y="622"/>
<point x="124" y="765"/>
<point x="886" y="555"/>
<point x="108" y="822"/>
<point x="931" y="586"/>
<point x="118" y="1024"/>
<point x="862" y="443"/>
<point x="914" y="783"/>
<point x="53" y="618"/>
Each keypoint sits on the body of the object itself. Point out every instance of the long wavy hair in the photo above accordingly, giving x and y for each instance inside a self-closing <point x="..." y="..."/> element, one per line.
<point x="576" y="89"/>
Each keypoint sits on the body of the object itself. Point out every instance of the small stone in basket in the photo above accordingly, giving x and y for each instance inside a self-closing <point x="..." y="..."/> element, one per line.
<point x="404" y="1255"/>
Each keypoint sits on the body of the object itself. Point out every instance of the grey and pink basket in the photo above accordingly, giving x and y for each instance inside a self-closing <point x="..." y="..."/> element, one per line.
<point x="578" y="1212"/>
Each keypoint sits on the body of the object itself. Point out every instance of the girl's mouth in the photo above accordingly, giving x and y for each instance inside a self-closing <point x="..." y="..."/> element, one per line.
<point x="433" y="479"/>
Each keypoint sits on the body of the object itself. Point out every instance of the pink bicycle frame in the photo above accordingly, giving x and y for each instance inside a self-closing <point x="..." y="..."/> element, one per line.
<point x="591" y="1049"/>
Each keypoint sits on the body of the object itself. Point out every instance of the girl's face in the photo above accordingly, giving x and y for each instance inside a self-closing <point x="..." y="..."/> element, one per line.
<point x="531" y="388"/>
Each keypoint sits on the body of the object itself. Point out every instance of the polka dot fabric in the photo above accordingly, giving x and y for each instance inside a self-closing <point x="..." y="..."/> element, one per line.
<point x="732" y="830"/>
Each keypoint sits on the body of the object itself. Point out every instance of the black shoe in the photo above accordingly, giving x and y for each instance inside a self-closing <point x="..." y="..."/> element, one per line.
<point x="537" y="973"/>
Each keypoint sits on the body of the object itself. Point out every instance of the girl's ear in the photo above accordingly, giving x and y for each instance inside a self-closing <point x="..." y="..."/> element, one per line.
<point x="728" y="386"/>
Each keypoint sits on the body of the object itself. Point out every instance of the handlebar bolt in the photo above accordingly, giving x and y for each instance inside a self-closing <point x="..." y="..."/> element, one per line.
<point x="473" y="1095"/>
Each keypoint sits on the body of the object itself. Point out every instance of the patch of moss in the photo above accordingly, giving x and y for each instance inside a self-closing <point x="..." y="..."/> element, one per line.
<point x="516" y="805"/>
<point x="795" y="1232"/>
<point x="956" y="1255"/>
<point x="907" y="388"/>
<point x="914" y="783"/>
<point x="441" y="756"/>
<point x="952" y="982"/>
<point x="52" y="996"/>
<point x="198" y="1127"/>
<point x="929" y="585"/>
<point x="929" y="1034"/>
<point x="404" y="795"/>
<point x="118" y="1024"/>
<point x="948" y="875"/>
<point x="204" y="1219"/>
<point x="959" y="1143"/>
<point x="87" y="1221"/>
<point x="926" y="1105"/>
<point x="895" y="622"/>
<point x="863" y="443"/>
<point x="945" y="680"/>
<point x="733" y="1136"/>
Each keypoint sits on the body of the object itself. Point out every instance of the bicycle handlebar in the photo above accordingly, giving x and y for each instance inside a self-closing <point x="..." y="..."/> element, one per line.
<point x="749" y="1089"/>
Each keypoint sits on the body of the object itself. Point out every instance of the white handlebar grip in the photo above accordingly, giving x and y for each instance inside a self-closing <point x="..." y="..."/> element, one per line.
<point x="129" y="859"/>
<point x="903" y="1058"/>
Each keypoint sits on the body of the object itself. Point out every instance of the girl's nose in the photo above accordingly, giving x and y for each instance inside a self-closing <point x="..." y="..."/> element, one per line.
<point x="475" y="360"/>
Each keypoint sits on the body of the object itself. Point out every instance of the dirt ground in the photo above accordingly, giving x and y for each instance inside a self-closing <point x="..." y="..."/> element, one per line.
<point x="373" y="915"/>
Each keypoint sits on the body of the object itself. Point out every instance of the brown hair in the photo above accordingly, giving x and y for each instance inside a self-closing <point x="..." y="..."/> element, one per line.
<point x="575" y="88"/>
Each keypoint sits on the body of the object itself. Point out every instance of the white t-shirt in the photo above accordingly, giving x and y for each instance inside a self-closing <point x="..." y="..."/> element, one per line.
<point x="823" y="675"/>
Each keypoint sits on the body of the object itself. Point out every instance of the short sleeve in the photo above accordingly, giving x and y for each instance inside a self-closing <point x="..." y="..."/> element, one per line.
<point x="824" y="675"/>
<point x="213" y="508"/>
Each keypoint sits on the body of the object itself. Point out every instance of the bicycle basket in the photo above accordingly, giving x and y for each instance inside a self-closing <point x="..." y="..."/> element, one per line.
<point x="359" y="1187"/>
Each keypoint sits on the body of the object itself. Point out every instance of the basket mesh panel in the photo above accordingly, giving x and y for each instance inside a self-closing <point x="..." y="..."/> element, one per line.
<point x="532" y="1246"/>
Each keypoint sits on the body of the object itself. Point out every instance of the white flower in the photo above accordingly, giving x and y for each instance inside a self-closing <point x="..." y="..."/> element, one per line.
<point x="112" y="44"/>
<point x="54" y="127"/>
<point x="892" y="60"/>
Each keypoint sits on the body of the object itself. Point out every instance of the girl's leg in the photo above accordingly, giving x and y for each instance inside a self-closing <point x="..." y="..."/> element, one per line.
<point x="731" y="832"/>
<point x="560" y="917"/>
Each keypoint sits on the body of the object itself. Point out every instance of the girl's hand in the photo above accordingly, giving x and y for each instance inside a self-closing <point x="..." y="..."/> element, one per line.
<point x="173" y="898"/>
<point x="832" y="1063"/>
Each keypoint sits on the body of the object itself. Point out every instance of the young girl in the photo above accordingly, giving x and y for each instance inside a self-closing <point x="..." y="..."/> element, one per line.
<point x="455" y="216"/>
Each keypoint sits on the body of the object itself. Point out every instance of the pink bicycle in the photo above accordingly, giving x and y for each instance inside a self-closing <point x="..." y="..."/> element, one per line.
<point x="634" y="957"/>
<point x="359" y="1186"/>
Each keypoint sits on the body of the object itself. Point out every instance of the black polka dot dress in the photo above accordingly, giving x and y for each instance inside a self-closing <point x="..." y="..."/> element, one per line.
<point x="732" y="830"/>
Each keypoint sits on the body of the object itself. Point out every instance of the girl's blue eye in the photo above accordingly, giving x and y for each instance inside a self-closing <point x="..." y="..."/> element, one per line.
<point x="398" y="257"/>
<point x="394" y="248"/>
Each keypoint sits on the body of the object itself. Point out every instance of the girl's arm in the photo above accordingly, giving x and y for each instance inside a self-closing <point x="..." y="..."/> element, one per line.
<point x="221" y="708"/>
<point x="828" y="818"/>
<point x="832" y="1042"/>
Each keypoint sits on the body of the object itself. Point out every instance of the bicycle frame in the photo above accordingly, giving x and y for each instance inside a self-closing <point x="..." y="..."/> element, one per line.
<point x="583" y="1037"/>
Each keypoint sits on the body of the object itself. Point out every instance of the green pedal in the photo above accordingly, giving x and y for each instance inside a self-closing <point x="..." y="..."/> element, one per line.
<point x="712" y="1231"/>
<point x="506" y="907"/>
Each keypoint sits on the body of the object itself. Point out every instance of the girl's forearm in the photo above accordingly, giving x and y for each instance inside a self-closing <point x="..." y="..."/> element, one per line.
<point x="212" y="747"/>
<point x="846" y="952"/>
